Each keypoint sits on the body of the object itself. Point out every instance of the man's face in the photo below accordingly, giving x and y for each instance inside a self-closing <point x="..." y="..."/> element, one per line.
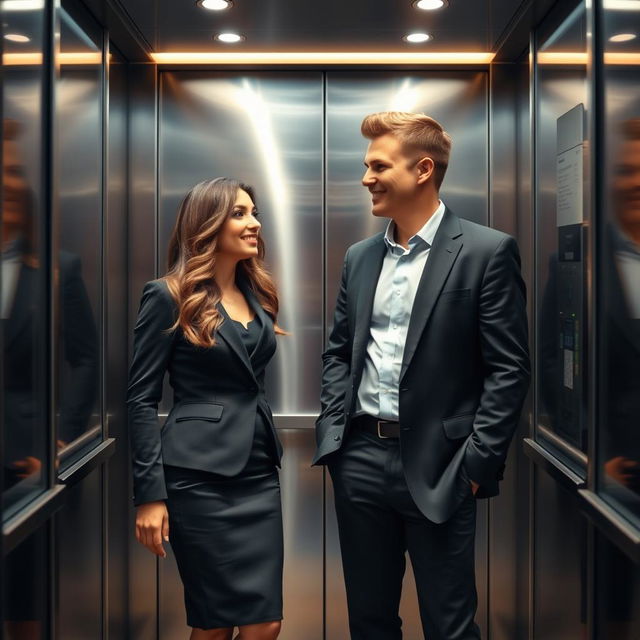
<point x="627" y="184"/>
<point x="391" y="177"/>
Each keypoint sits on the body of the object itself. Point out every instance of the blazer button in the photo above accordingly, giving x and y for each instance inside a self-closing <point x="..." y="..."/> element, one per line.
<point x="337" y="438"/>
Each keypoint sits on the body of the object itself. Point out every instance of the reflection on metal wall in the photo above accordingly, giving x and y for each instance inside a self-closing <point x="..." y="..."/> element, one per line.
<point x="79" y="537"/>
<point x="142" y="619"/>
<point x="266" y="130"/>
<point x="116" y="357"/>
<point x="23" y="271"/>
<point x="559" y="563"/>
<point x="79" y="238"/>
<point x="562" y="214"/>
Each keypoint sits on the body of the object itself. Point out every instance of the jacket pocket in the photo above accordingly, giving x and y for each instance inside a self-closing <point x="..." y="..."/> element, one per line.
<point x="457" y="427"/>
<point x="207" y="411"/>
<point x="455" y="294"/>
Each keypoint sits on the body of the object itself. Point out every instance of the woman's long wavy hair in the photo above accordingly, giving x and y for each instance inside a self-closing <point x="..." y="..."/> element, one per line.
<point x="192" y="261"/>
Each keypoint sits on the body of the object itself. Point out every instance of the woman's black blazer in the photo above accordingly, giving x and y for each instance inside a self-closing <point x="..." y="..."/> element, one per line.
<point x="216" y="396"/>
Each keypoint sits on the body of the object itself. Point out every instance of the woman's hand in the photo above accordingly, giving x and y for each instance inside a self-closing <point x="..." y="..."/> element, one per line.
<point x="152" y="526"/>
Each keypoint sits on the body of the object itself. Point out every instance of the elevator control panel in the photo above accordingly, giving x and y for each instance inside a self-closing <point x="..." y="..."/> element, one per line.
<point x="569" y="421"/>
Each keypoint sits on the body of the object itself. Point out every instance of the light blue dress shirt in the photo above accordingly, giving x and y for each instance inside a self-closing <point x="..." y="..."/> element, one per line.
<point x="395" y="293"/>
<point x="11" y="266"/>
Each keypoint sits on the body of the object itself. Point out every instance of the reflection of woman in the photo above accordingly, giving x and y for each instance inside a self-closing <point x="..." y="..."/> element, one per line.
<point x="209" y="477"/>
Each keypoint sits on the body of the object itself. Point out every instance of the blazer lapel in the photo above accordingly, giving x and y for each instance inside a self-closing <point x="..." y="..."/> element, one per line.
<point x="265" y="320"/>
<point x="442" y="255"/>
<point x="228" y="332"/>
<point x="370" y="269"/>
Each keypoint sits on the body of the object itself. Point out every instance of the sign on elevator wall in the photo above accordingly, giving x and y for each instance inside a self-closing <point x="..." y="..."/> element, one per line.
<point x="570" y="265"/>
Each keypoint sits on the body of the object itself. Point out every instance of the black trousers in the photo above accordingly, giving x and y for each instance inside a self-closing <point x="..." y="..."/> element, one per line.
<point x="378" y="522"/>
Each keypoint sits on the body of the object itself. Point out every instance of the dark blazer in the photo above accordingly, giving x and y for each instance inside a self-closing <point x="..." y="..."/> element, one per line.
<point x="621" y="362"/>
<point x="78" y="347"/>
<point x="216" y="396"/>
<point x="465" y="369"/>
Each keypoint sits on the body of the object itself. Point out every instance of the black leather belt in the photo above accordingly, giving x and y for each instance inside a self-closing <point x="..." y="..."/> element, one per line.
<point x="381" y="428"/>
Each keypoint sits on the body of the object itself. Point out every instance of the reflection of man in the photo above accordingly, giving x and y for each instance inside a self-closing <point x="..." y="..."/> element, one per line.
<point x="621" y="293"/>
<point x="424" y="378"/>
<point x="23" y="327"/>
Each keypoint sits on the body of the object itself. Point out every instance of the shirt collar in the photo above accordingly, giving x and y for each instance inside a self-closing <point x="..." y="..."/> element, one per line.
<point x="624" y="243"/>
<point x="12" y="249"/>
<point x="427" y="233"/>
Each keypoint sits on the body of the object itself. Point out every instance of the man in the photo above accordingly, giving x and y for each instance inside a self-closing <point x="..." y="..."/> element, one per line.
<point x="423" y="382"/>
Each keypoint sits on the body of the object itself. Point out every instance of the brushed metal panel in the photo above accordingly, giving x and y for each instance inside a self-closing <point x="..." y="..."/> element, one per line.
<point x="506" y="522"/>
<point x="559" y="563"/>
<point x="116" y="362"/>
<point x="264" y="129"/>
<point x="25" y="579"/>
<point x="561" y="317"/>
<point x="79" y="120"/>
<point x="458" y="100"/>
<point x="79" y="531"/>
<point x="302" y="495"/>
<point x="141" y="261"/>
<point x="25" y="208"/>
<point x="617" y="599"/>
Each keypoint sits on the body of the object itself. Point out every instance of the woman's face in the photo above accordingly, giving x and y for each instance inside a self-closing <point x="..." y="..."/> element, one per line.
<point x="239" y="234"/>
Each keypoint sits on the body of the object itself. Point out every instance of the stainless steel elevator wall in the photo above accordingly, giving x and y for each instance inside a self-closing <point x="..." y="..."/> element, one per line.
<point x="265" y="130"/>
<point x="295" y="137"/>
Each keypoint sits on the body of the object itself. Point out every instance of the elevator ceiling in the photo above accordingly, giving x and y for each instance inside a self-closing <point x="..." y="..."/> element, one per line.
<point x="329" y="25"/>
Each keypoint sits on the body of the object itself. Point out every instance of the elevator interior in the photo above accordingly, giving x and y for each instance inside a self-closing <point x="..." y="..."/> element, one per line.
<point x="112" y="110"/>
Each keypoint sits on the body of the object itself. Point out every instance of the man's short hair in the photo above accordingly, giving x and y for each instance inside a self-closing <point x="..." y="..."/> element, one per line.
<point x="416" y="132"/>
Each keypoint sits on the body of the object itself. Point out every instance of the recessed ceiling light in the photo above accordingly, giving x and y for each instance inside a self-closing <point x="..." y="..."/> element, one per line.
<point x="430" y="5"/>
<point x="417" y="38"/>
<point x="22" y="5"/>
<point x="623" y="37"/>
<point x="17" y="37"/>
<point x="215" y="5"/>
<point x="229" y="38"/>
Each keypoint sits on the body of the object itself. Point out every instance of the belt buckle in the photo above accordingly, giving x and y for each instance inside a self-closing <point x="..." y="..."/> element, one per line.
<point x="378" y="423"/>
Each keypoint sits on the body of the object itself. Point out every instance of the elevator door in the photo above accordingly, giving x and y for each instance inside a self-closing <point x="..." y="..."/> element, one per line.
<point x="294" y="136"/>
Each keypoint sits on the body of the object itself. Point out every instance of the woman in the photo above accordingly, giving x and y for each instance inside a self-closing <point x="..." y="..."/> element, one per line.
<point x="209" y="479"/>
